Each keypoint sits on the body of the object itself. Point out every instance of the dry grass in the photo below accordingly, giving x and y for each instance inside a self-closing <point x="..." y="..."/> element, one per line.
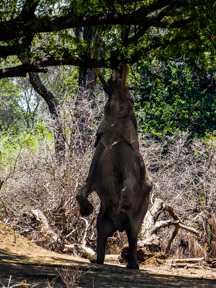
<point x="71" y="277"/>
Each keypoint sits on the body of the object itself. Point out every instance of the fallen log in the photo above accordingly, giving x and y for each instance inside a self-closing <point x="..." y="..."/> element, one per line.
<point x="186" y="260"/>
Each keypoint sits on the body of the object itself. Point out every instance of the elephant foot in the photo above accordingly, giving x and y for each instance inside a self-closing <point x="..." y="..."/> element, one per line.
<point x="132" y="265"/>
<point x="95" y="260"/>
<point x="86" y="208"/>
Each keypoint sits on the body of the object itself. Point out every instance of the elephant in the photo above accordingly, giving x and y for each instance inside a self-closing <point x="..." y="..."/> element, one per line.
<point x="117" y="173"/>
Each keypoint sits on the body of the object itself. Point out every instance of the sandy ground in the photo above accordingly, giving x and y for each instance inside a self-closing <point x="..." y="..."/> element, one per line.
<point x="23" y="262"/>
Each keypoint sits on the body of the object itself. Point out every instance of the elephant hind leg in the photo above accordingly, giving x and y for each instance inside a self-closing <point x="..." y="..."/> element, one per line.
<point x="86" y="207"/>
<point x="105" y="229"/>
<point x="132" y="240"/>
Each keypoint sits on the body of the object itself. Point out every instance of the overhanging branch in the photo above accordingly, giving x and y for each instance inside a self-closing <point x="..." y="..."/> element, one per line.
<point x="26" y="25"/>
<point x="40" y="66"/>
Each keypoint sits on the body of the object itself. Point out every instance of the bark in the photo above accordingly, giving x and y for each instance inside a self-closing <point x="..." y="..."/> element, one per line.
<point x="55" y="115"/>
<point x="87" y="80"/>
<point x="87" y="76"/>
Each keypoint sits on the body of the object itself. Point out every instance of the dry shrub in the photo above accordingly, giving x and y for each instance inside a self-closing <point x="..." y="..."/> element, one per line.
<point x="37" y="181"/>
<point x="212" y="249"/>
<point x="182" y="169"/>
<point x="183" y="172"/>
<point x="71" y="277"/>
<point x="195" y="248"/>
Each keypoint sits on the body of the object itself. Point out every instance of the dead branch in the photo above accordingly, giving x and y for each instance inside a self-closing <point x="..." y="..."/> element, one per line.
<point x="151" y="226"/>
<point x="86" y="229"/>
<point x="43" y="222"/>
<point x="77" y="249"/>
<point x="86" y="252"/>
<point x="161" y="224"/>
<point x="175" y="232"/>
<point x="188" y="260"/>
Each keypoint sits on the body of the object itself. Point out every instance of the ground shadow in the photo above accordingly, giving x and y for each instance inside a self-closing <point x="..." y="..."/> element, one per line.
<point x="35" y="273"/>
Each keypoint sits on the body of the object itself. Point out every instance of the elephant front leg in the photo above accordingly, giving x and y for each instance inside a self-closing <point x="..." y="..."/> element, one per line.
<point x="132" y="259"/>
<point x="90" y="185"/>
<point x="86" y="207"/>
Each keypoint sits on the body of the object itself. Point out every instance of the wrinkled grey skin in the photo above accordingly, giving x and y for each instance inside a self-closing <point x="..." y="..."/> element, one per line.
<point x="117" y="174"/>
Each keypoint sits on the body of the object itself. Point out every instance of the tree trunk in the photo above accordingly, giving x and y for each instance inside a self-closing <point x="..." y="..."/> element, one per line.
<point x="85" y="98"/>
<point x="87" y="76"/>
<point x="35" y="81"/>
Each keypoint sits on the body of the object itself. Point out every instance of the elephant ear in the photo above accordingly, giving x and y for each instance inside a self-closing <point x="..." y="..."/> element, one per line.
<point x="126" y="128"/>
<point x="103" y="127"/>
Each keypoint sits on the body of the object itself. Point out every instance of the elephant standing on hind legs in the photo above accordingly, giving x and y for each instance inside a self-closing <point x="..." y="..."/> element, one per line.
<point x="117" y="173"/>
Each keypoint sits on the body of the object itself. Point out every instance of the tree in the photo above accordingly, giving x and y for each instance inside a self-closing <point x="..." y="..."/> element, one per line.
<point x="52" y="103"/>
<point x="36" y="34"/>
<point x="128" y="30"/>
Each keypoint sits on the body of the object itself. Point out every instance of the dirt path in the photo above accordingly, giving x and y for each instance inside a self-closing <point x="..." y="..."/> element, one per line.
<point x="22" y="260"/>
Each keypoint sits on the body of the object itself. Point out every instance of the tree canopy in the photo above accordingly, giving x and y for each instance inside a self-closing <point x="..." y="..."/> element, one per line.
<point x="36" y="34"/>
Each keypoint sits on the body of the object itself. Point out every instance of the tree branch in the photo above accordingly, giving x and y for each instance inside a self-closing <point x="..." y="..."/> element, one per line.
<point x="174" y="234"/>
<point x="19" y="28"/>
<point x="39" y="66"/>
<point x="20" y="70"/>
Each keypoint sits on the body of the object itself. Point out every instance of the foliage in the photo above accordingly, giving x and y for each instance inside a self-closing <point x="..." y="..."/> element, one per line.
<point x="41" y="33"/>
<point x="11" y="110"/>
<point x="11" y="145"/>
<point x="21" y="107"/>
<point x="175" y="97"/>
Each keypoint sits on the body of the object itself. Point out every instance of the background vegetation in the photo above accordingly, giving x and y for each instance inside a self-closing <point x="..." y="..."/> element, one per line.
<point x="180" y="156"/>
<point x="48" y="121"/>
